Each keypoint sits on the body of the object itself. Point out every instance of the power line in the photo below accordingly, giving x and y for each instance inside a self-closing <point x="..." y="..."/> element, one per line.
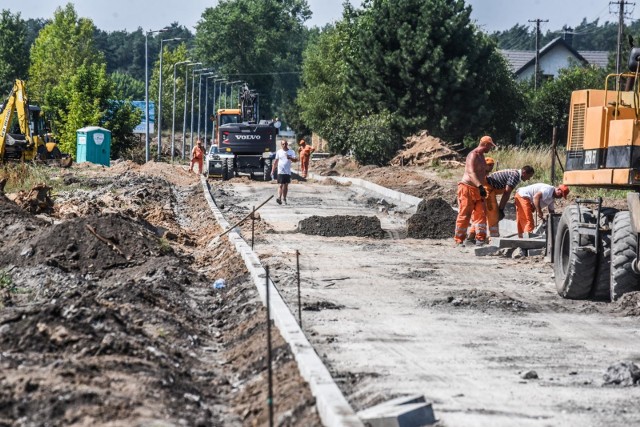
<point x="266" y="74"/>
<point x="537" y="67"/>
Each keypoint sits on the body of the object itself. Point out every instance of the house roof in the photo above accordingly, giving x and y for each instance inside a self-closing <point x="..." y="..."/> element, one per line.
<point x="596" y="57"/>
<point x="520" y="59"/>
<point x="517" y="58"/>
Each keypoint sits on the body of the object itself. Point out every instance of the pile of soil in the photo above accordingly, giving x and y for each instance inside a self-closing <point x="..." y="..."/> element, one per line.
<point x="342" y="225"/>
<point x="104" y="322"/>
<point x="483" y="300"/>
<point x="423" y="149"/>
<point x="628" y="304"/>
<point x="434" y="219"/>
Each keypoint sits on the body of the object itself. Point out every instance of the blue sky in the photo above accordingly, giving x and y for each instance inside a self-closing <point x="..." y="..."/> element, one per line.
<point x="490" y="15"/>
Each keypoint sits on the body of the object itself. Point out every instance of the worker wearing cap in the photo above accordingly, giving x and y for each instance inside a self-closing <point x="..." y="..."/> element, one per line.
<point x="536" y="197"/>
<point x="490" y="162"/>
<point x="197" y="155"/>
<point x="304" y="156"/>
<point x="471" y="193"/>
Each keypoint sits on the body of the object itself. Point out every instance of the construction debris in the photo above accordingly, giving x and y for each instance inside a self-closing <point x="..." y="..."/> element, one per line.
<point x="342" y="225"/>
<point x="423" y="149"/>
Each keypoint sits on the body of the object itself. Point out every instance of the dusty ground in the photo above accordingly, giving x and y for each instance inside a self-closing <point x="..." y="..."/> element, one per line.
<point x="400" y="316"/>
<point x="108" y="315"/>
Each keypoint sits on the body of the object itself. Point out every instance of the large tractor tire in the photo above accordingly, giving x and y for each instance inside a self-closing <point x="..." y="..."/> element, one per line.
<point x="623" y="253"/>
<point x="602" y="285"/>
<point x="225" y="171"/>
<point x="575" y="262"/>
<point x="266" y="170"/>
<point x="231" y="168"/>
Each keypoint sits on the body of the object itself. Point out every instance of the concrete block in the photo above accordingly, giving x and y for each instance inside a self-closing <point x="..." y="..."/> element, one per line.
<point x="535" y="252"/>
<point x="522" y="243"/>
<point x="409" y="411"/>
<point x="486" y="250"/>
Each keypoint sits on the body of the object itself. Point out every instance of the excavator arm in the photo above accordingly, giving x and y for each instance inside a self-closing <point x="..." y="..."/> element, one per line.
<point x="15" y="146"/>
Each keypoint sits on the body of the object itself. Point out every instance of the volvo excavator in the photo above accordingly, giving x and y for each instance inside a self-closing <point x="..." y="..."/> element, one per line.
<point x="595" y="248"/>
<point x="33" y="142"/>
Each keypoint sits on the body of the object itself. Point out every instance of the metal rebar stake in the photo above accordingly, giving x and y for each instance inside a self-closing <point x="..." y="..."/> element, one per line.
<point x="253" y="225"/>
<point x="270" y="370"/>
<point x="299" y="299"/>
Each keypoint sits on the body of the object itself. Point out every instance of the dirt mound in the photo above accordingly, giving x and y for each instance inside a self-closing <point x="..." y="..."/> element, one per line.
<point x="91" y="244"/>
<point x="483" y="300"/>
<point x="16" y="224"/>
<point x="342" y="225"/>
<point x="434" y="219"/>
<point x="628" y="304"/>
<point x="423" y="149"/>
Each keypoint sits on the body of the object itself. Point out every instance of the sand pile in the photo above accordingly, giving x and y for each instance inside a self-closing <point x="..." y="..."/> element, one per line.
<point x="423" y="149"/>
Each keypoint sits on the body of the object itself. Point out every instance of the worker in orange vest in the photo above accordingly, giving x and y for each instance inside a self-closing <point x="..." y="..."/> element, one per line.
<point x="197" y="155"/>
<point x="305" y="155"/>
<point x="471" y="193"/>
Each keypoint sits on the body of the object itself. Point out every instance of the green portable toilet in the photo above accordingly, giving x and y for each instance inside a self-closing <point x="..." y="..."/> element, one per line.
<point x="93" y="145"/>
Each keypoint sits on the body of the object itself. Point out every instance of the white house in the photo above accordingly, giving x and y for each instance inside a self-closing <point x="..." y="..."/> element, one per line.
<point x="557" y="54"/>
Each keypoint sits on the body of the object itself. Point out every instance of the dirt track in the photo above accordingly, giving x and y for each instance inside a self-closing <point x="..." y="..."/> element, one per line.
<point x="393" y="317"/>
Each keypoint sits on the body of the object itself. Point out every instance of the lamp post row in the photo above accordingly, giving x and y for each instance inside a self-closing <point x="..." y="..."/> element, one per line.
<point x="202" y="72"/>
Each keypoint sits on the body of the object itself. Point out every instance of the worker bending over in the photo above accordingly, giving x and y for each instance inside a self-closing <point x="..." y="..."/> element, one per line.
<point x="536" y="197"/>
<point x="503" y="182"/>
<point x="471" y="194"/>
<point x="305" y="155"/>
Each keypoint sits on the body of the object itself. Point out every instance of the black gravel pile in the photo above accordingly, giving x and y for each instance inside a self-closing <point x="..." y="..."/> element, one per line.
<point x="434" y="219"/>
<point x="342" y="225"/>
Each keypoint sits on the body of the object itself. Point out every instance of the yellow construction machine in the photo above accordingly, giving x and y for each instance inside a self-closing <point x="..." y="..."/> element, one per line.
<point x="31" y="140"/>
<point x="594" y="248"/>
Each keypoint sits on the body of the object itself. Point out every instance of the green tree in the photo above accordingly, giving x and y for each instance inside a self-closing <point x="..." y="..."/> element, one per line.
<point x="423" y="61"/>
<point x="321" y="100"/>
<point x="549" y="105"/>
<point x="14" y="51"/>
<point x="88" y="91"/>
<point x="69" y="74"/>
<point x="127" y="87"/>
<point x="63" y="46"/>
<point x="260" y="42"/>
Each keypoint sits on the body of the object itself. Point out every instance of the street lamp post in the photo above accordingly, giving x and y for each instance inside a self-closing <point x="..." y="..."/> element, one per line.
<point x="213" y="109"/>
<point x="146" y="87"/>
<point x="206" y="104"/>
<point x="200" y="98"/>
<point x="160" y="97"/>
<point x="173" y="120"/>
<point x="225" y="91"/>
<point x="193" y="91"/>
<point x="186" y="89"/>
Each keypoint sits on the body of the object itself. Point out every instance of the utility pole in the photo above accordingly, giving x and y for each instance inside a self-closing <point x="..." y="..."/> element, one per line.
<point x="537" y="66"/>
<point x="620" y="3"/>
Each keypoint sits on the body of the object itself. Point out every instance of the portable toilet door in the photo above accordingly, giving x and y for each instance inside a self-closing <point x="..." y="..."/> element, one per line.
<point x="94" y="145"/>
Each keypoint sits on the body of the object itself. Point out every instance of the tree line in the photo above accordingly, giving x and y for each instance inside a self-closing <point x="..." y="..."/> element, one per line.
<point x="382" y="72"/>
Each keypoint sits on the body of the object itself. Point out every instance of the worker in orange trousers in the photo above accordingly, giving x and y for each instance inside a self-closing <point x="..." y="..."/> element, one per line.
<point x="475" y="222"/>
<point x="304" y="156"/>
<point x="197" y="155"/>
<point x="534" y="198"/>
<point x="471" y="193"/>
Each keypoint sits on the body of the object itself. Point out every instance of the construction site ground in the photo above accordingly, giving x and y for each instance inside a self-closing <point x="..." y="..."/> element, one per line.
<point x="109" y="316"/>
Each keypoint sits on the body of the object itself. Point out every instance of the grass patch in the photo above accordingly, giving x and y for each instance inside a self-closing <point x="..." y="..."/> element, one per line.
<point x="24" y="176"/>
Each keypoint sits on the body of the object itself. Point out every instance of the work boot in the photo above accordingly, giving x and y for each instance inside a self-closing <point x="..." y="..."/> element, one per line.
<point x="460" y="245"/>
<point x="480" y="243"/>
<point x="285" y="201"/>
<point x="278" y="201"/>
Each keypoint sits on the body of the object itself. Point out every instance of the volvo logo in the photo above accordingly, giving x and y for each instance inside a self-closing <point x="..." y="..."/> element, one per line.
<point x="247" y="137"/>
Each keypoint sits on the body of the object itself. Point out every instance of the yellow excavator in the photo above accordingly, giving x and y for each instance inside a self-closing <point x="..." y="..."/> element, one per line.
<point x="32" y="142"/>
<point x="595" y="248"/>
